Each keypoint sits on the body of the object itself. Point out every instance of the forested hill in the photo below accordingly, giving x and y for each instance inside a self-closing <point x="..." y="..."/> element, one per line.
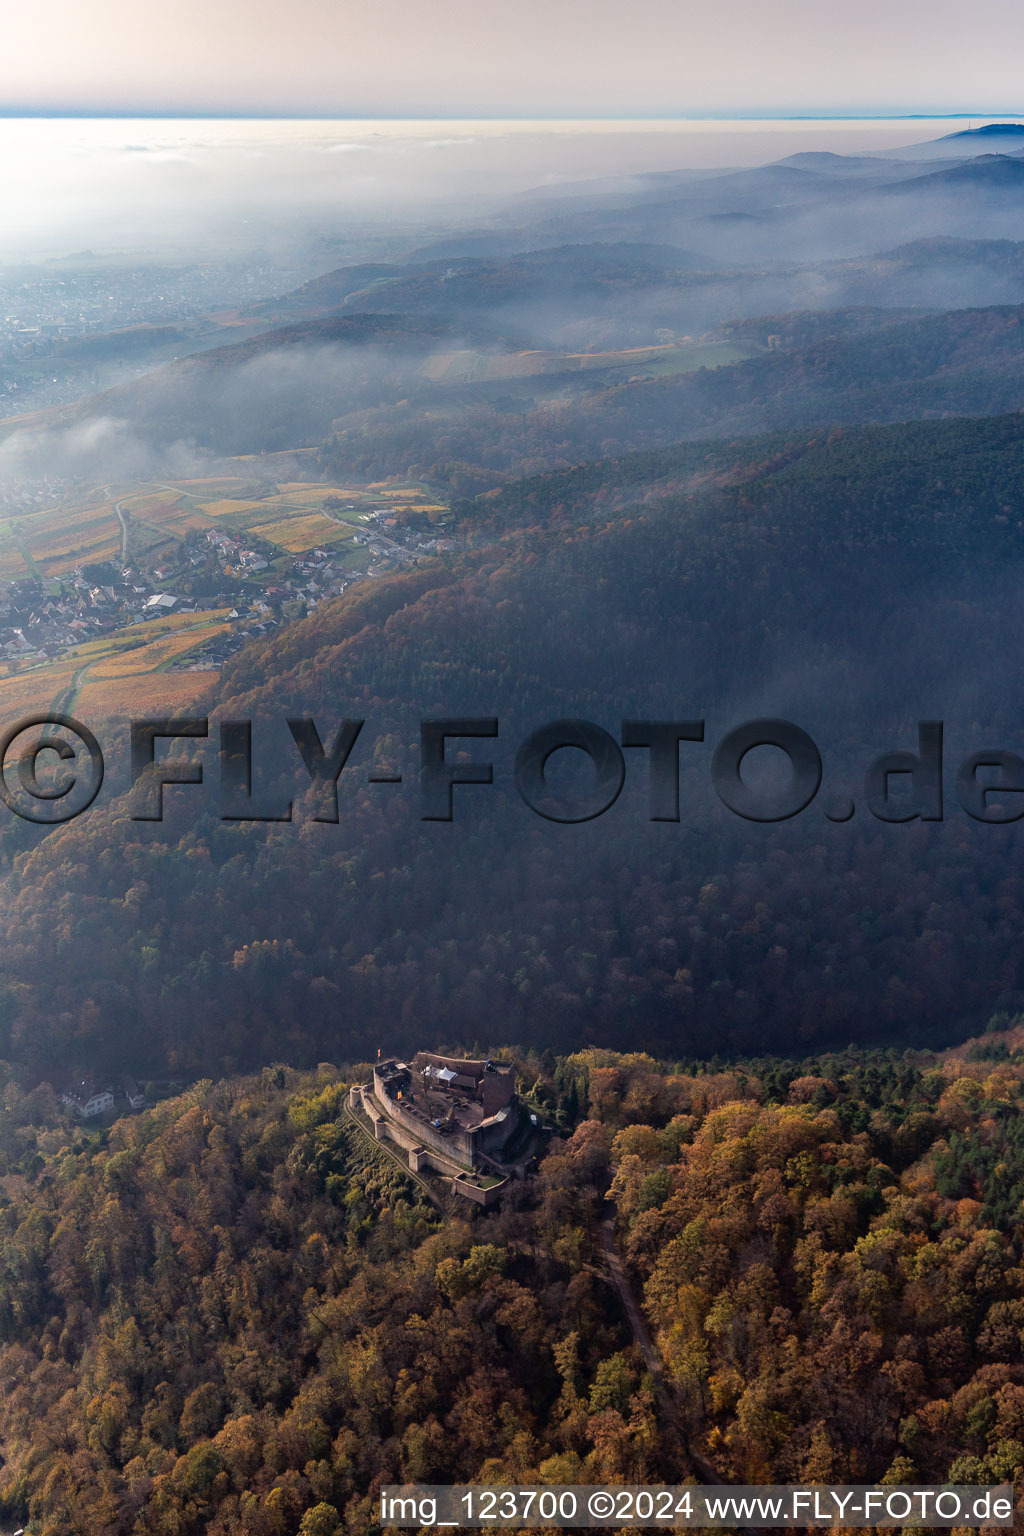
<point x="557" y="275"/>
<point x="471" y="394"/>
<point x="900" y="468"/>
<point x="235" y="1313"/>
<point x="284" y="387"/>
<point x="853" y="582"/>
<point x="965" y="362"/>
<point x="663" y="279"/>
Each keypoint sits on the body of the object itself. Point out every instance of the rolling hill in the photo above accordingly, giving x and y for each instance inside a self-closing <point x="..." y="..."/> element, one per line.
<point x="438" y="397"/>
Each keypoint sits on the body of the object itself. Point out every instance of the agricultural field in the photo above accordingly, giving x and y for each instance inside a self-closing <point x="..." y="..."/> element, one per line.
<point x="687" y="357"/>
<point x="155" y="655"/>
<point x="163" y="512"/>
<point x="297" y="534"/>
<point x="75" y="690"/>
<point x="108" y="698"/>
<point x="472" y="367"/>
<point x="130" y="663"/>
<point x="295" y="518"/>
<point x="12" y="563"/>
<point x="51" y="543"/>
<point x="225" y="508"/>
<point x="29" y="692"/>
<point x="146" y="523"/>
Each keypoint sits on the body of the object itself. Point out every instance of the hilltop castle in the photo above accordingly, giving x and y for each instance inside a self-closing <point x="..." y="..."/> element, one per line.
<point x="460" y="1117"/>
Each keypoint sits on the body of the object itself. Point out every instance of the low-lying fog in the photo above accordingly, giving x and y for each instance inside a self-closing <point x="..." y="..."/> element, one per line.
<point x="157" y="186"/>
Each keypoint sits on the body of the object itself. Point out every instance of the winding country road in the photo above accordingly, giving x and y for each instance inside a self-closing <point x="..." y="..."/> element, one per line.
<point x="124" y="532"/>
<point x="629" y="1301"/>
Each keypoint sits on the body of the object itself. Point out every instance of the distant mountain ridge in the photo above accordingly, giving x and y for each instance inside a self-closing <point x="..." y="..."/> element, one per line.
<point x="982" y="173"/>
<point x="962" y="141"/>
<point x="988" y="131"/>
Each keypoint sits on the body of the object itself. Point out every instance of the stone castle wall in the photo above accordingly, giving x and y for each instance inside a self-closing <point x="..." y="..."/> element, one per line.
<point x="387" y="1128"/>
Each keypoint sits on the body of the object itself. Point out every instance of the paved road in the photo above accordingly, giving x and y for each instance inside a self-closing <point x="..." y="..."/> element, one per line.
<point x="124" y="531"/>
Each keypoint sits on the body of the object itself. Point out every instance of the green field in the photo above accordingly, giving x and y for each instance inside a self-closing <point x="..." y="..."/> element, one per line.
<point x="476" y="367"/>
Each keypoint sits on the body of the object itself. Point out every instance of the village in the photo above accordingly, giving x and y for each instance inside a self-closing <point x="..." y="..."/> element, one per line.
<point x="251" y="583"/>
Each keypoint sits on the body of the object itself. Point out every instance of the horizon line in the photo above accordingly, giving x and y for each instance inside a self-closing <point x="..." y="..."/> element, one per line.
<point x="40" y="113"/>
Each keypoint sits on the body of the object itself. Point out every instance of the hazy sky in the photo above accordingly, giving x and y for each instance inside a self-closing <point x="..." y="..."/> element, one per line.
<point x="513" y="57"/>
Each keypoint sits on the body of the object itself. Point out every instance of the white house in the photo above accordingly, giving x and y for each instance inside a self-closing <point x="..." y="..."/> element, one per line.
<point x="133" y="1093"/>
<point x="97" y="1104"/>
<point x="87" y="1101"/>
